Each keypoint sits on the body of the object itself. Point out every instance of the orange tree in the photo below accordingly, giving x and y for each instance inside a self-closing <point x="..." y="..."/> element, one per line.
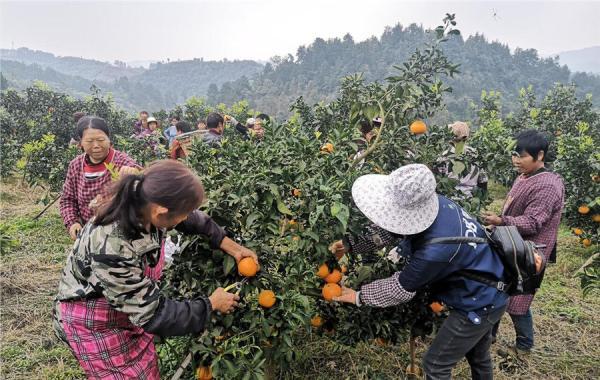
<point x="288" y="196"/>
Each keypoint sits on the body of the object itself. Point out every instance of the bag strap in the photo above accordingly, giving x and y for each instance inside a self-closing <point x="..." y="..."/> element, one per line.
<point x="484" y="279"/>
<point x="456" y="240"/>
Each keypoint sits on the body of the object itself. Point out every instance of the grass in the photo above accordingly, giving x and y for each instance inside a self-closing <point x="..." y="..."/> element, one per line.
<point x="567" y="326"/>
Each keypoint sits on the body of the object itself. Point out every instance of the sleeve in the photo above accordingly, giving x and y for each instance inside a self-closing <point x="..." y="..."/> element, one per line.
<point x="128" y="161"/>
<point x="69" y="209"/>
<point x="120" y="272"/>
<point x="420" y="272"/>
<point x="374" y="238"/>
<point x="385" y="293"/>
<point x="199" y="223"/>
<point x="537" y="211"/>
<point x="173" y="152"/>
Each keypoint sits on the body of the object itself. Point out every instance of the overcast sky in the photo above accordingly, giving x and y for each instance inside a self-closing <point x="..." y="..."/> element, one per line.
<point x="260" y="29"/>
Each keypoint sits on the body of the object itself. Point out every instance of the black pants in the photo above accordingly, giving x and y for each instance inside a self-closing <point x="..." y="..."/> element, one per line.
<point x="459" y="337"/>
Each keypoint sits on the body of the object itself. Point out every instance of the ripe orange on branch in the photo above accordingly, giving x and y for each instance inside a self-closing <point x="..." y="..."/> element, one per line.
<point x="596" y="218"/>
<point x="296" y="192"/>
<point x="586" y="242"/>
<point x="323" y="271"/>
<point x="266" y="299"/>
<point x="204" y="373"/>
<point x="418" y="127"/>
<point x="577" y="231"/>
<point x="334" y="277"/>
<point x="327" y="148"/>
<point x="247" y="267"/>
<point x="436" y="307"/>
<point x="583" y="209"/>
<point x="316" y="321"/>
<point x="331" y="290"/>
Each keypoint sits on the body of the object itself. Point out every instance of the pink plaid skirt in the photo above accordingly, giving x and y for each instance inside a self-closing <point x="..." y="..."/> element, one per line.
<point x="106" y="344"/>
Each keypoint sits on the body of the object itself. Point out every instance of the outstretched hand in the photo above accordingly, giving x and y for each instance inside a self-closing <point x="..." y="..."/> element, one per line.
<point x="348" y="296"/>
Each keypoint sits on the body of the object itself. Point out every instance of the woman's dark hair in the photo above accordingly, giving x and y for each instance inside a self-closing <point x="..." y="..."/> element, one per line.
<point x="365" y="126"/>
<point x="176" y="118"/>
<point x="91" y="122"/>
<point x="167" y="183"/>
<point x="264" y="117"/>
<point x="183" y="127"/>
<point x="213" y="120"/>
<point x="77" y="116"/>
<point x="532" y="142"/>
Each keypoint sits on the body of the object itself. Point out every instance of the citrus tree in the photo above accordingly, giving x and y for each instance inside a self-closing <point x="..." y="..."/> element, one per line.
<point x="287" y="197"/>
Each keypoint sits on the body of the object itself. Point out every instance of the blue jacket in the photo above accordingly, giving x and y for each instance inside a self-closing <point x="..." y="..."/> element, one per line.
<point x="436" y="264"/>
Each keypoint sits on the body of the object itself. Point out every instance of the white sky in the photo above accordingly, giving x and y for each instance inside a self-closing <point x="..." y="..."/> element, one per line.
<point x="260" y="29"/>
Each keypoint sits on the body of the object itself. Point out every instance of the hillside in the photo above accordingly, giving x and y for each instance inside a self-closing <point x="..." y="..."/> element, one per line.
<point x="584" y="60"/>
<point x="315" y="71"/>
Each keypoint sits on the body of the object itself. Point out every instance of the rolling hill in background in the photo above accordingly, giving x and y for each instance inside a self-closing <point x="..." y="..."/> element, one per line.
<point x="584" y="60"/>
<point x="314" y="72"/>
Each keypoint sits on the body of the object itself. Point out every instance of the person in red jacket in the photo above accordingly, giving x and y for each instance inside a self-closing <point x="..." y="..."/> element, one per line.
<point x="88" y="173"/>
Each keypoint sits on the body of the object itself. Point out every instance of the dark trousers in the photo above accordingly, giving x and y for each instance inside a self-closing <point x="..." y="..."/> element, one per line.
<point x="459" y="337"/>
<point x="523" y="329"/>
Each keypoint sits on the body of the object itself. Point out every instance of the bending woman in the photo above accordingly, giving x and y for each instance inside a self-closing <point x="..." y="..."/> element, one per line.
<point x="108" y="306"/>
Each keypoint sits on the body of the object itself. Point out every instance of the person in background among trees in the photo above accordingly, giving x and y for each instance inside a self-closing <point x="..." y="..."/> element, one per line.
<point x="75" y="140"/>
<point x="216" y="125"/>
<point x="201" y="125"/>
<point x="142" y="123"/>
<point x="171" y="132"/>
<point x="239" y="127"/>
<point x="476" y="178"/>
<point x="534" y="205"/>
<point x="176" y="148"/>
<point x="88" y="174"/>
<point x="109" y="305"/>
<point x="152" y="124"/>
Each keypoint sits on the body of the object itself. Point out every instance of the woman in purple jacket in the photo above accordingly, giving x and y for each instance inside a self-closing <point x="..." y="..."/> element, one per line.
<point x="534" y="205"/>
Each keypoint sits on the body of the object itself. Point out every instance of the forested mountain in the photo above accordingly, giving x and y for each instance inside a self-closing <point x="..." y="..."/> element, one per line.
<point x="162" y="85"/>
<point x="316" y="69"/>
<point x="314" y="73"/>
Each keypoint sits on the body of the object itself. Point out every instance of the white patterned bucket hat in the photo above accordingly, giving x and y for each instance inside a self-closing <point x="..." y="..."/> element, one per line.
<point x="403" y="202"/>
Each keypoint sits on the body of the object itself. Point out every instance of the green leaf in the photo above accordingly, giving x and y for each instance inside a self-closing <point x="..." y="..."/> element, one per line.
<point x="228" y="264"/>
<point x="458" y="167"/>
<point x="251" y="218"/>
<point x="282" y="208"/>
<point x="364" y="273"/>
<point x="459" y="148"/>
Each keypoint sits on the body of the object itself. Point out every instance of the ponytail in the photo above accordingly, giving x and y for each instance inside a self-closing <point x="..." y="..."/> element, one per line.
<point x="167" y="183"/>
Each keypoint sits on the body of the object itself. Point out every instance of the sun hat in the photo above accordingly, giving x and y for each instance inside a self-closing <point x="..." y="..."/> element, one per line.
<point x="152" y="120"/>
<point x="403" y="202"/>
<point x="250" y="121"/>
<point x="460" y="129"/>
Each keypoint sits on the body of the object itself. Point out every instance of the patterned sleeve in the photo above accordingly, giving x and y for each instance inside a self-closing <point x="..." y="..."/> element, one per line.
<point x="120" y="271"/>
<point x="69" y="209"/>
<point x="375" y="238"/>
<point x="537" y="212"/>
<point x="385" y="293"/>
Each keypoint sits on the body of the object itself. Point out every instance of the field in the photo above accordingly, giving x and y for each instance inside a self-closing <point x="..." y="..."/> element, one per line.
<point x="567" y="326"/>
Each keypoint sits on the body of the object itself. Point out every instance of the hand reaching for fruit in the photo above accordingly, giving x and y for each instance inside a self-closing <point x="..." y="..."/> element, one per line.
<point x="223" y="301"/>
<point x="338" y="249"/>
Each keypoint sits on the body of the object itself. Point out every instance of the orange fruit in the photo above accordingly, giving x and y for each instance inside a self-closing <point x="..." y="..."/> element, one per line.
<point x="323" y="271"/>
<point x="331" y="290"/>
<point x="418" y="127"/>
<point x="334" y="277"/>
<point x="292" y="223"/>
<point x="296" y="192"/>
<point x="583" y="209"/>
<point x="586" y="242"/>
<point x="596" y="178"/>
<point x="380" y="342"/>
<point x="316" y="321"/>
<point x="436" y="307"/>
<point x="344" y="269"/>
<point x="203" y="373"/>
<point x="247" y="267"/>
<point x="596" y="218"/>
<point x="296" y="238"/>
<point x="327" y="148"/>
<point x="577" y="231"/>
<point x="266" y="299"/>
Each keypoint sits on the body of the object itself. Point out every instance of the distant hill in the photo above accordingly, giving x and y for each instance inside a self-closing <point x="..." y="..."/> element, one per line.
<point x="162" y="85"/>
<point x="585" y="60"/>
<point x="315" y="71"/>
